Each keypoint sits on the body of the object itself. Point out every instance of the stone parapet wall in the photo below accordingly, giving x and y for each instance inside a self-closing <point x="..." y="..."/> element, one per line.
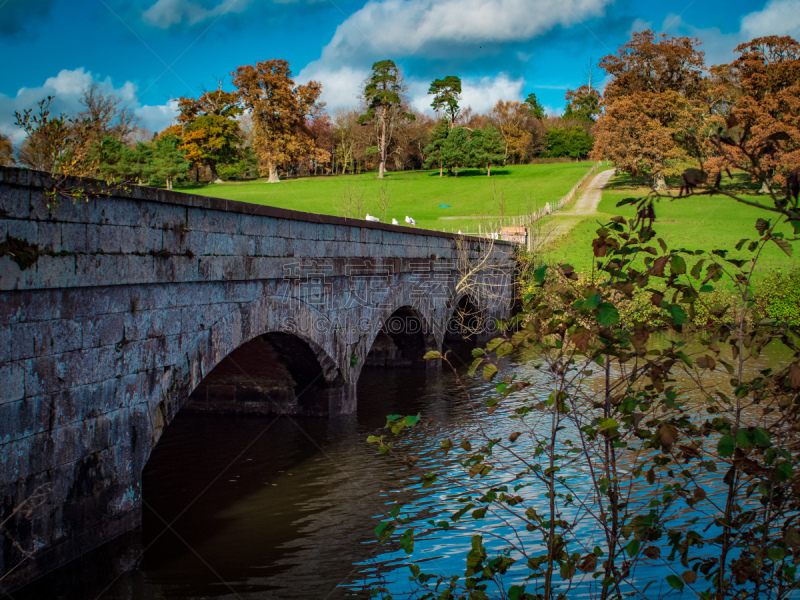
<point x="114" y="308"/>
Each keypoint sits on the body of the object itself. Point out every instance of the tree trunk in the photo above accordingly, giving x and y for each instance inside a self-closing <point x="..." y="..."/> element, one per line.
<point x="441" y="171"/>
<point x="273" y="173"/>
<point x="765" y="188"/>
<point x="659" y="185"/>
<point x="488" y="170"/>
<point x="169" y="183"/>
<point x="382" y="163"/>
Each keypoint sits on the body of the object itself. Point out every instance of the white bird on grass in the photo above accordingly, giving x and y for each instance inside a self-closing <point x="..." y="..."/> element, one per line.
<point x="410" y="221"/>
<point x="459" y="232"/>
<point x="371" y="218"/>
<point x="395" y="222"/>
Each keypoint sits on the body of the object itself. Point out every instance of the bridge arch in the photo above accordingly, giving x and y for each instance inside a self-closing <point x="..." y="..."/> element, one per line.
<point x="401" y="339"/>
<point x="299" y="340"/>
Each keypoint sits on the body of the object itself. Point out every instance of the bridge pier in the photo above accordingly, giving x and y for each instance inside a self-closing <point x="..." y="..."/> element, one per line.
<point x="120" y="309"/>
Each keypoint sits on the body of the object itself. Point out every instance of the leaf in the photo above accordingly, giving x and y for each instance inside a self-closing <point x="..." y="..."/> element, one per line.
<point x="513" y="437"/>
<point x="744" y="439"/>
<point x="794" y="375"/>
<point x="689" y="577"/>
<point x="726" y="446"/>
<point x="706" y="362"/>
<point x="761" y="226"/>
<point x="489" y="371"/>
<point x="581" y="338"/>
<point x="632" y="548"/>
<point x="658" y="266"/>
<point x="761" y="437"/>
<point x="675" y="582"/>
<point x="478" y="352"/>
<point x="652" y="552"/>
<point x="784" y="245"/>
<point x="432" y="355"/>
<point x="679" y="316"/>
<point x="655" y="299"/>
<point x="588" y="563"/>
<point x="667" y="434"/>
<point x="407" y="541"/>
<point x="504" y="348"/>
<point x="697" y="268"/>
<point x="411" y="420"/>
<point x="677" y="266"/>
<point x="539" y="274"/>
<point x="607" y="315"/>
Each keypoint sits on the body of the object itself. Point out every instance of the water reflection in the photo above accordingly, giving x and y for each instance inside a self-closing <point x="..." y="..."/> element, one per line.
<point x="285" y="508"/>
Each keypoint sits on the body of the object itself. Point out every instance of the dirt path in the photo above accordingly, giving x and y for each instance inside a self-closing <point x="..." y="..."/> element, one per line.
<point x="585" y="205"/>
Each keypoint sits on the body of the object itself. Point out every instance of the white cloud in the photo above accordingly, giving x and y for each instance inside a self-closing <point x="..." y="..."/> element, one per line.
<point x="340" y="86"/>
<point x="778" y="17"/>
<point x="166" y="13"/>
<point x="484" y="92"/>
<point x="67" y="87"/>
<point x="434" y="29"/>
<point x="431" y="27"/>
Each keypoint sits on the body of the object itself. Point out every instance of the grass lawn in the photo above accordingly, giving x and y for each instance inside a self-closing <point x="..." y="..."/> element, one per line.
<point x="511" y="190"/>
<point x="700" y="223"/>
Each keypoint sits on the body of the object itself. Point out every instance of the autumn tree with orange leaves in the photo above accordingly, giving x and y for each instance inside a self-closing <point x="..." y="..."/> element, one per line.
<point x="280" y="113"/>
<point x="210" y="130"/>
<point x="757" y="111"/>
<point x="654" y="106"/>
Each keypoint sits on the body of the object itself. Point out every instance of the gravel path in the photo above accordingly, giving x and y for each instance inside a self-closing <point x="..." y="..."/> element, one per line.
<point x="585" y="205"/>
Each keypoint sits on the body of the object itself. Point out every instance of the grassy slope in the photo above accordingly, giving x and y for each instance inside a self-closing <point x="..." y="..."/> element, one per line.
<point x="693" y="223"/>
<point x="416" y="193"/>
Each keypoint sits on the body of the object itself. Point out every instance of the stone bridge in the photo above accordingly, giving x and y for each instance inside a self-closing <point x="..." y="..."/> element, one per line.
<point x="120" y="307"/>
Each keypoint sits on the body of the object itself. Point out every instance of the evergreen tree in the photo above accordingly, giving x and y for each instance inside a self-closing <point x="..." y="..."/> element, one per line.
<point x="434" y="151"/>
<point x="167" y="161"/>
<point x="487" y="148"/>
<point x="537" y="110"/>
<point x="457" y="149"/>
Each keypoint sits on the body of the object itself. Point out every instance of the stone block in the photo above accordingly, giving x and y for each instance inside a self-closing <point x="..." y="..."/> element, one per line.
<point x="73" y="237"/>
<point x="241" y="245"/>
<point x="198" y="243"/>
<point x="57" y="337"/>
<point x="49" y="237"/>
<point x="56" y="272"/>
<point x="223" y="244"/>
<point x="24" y="230"/>
<point x="282" y="228"/>
<point x="22" y="340"/>
<point x="12" y="381"/>
<point x="15" y="202"/>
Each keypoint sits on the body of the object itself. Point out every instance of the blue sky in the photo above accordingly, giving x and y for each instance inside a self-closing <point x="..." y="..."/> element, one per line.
<point x="149" y="52"/>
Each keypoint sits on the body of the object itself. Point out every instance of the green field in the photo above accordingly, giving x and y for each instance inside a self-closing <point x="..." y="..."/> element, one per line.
<point x="511" y="190"/>
<point x="695" y="223"/>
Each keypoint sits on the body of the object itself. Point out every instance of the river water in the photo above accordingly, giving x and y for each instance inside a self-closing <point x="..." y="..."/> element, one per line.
<point x="255" y="507"/>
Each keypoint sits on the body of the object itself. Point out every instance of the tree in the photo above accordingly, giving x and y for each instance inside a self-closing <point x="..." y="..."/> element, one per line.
<point x="6" y="151"/>
<point x="521" y="132"/>
<point x="279" y="112"/>
<point x="583" y="103"/>
<point x="537" y="110"/>
<point x="487" y="148"/>
<point x="382" y="93"/>
<point x="105" y="117"/>
<point x="446" y="94"/>
<point x="110" y="156"/>
<point x="654" y="106"/>
<point x="434" y="151"/>
<point x="574" y="142"/>
<point x="168" y="161"/>
<point x="457" y="149"/>
<point x="211" y="134"/>
<point x="49" y="143"/>
<point x="758" y="111"/>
